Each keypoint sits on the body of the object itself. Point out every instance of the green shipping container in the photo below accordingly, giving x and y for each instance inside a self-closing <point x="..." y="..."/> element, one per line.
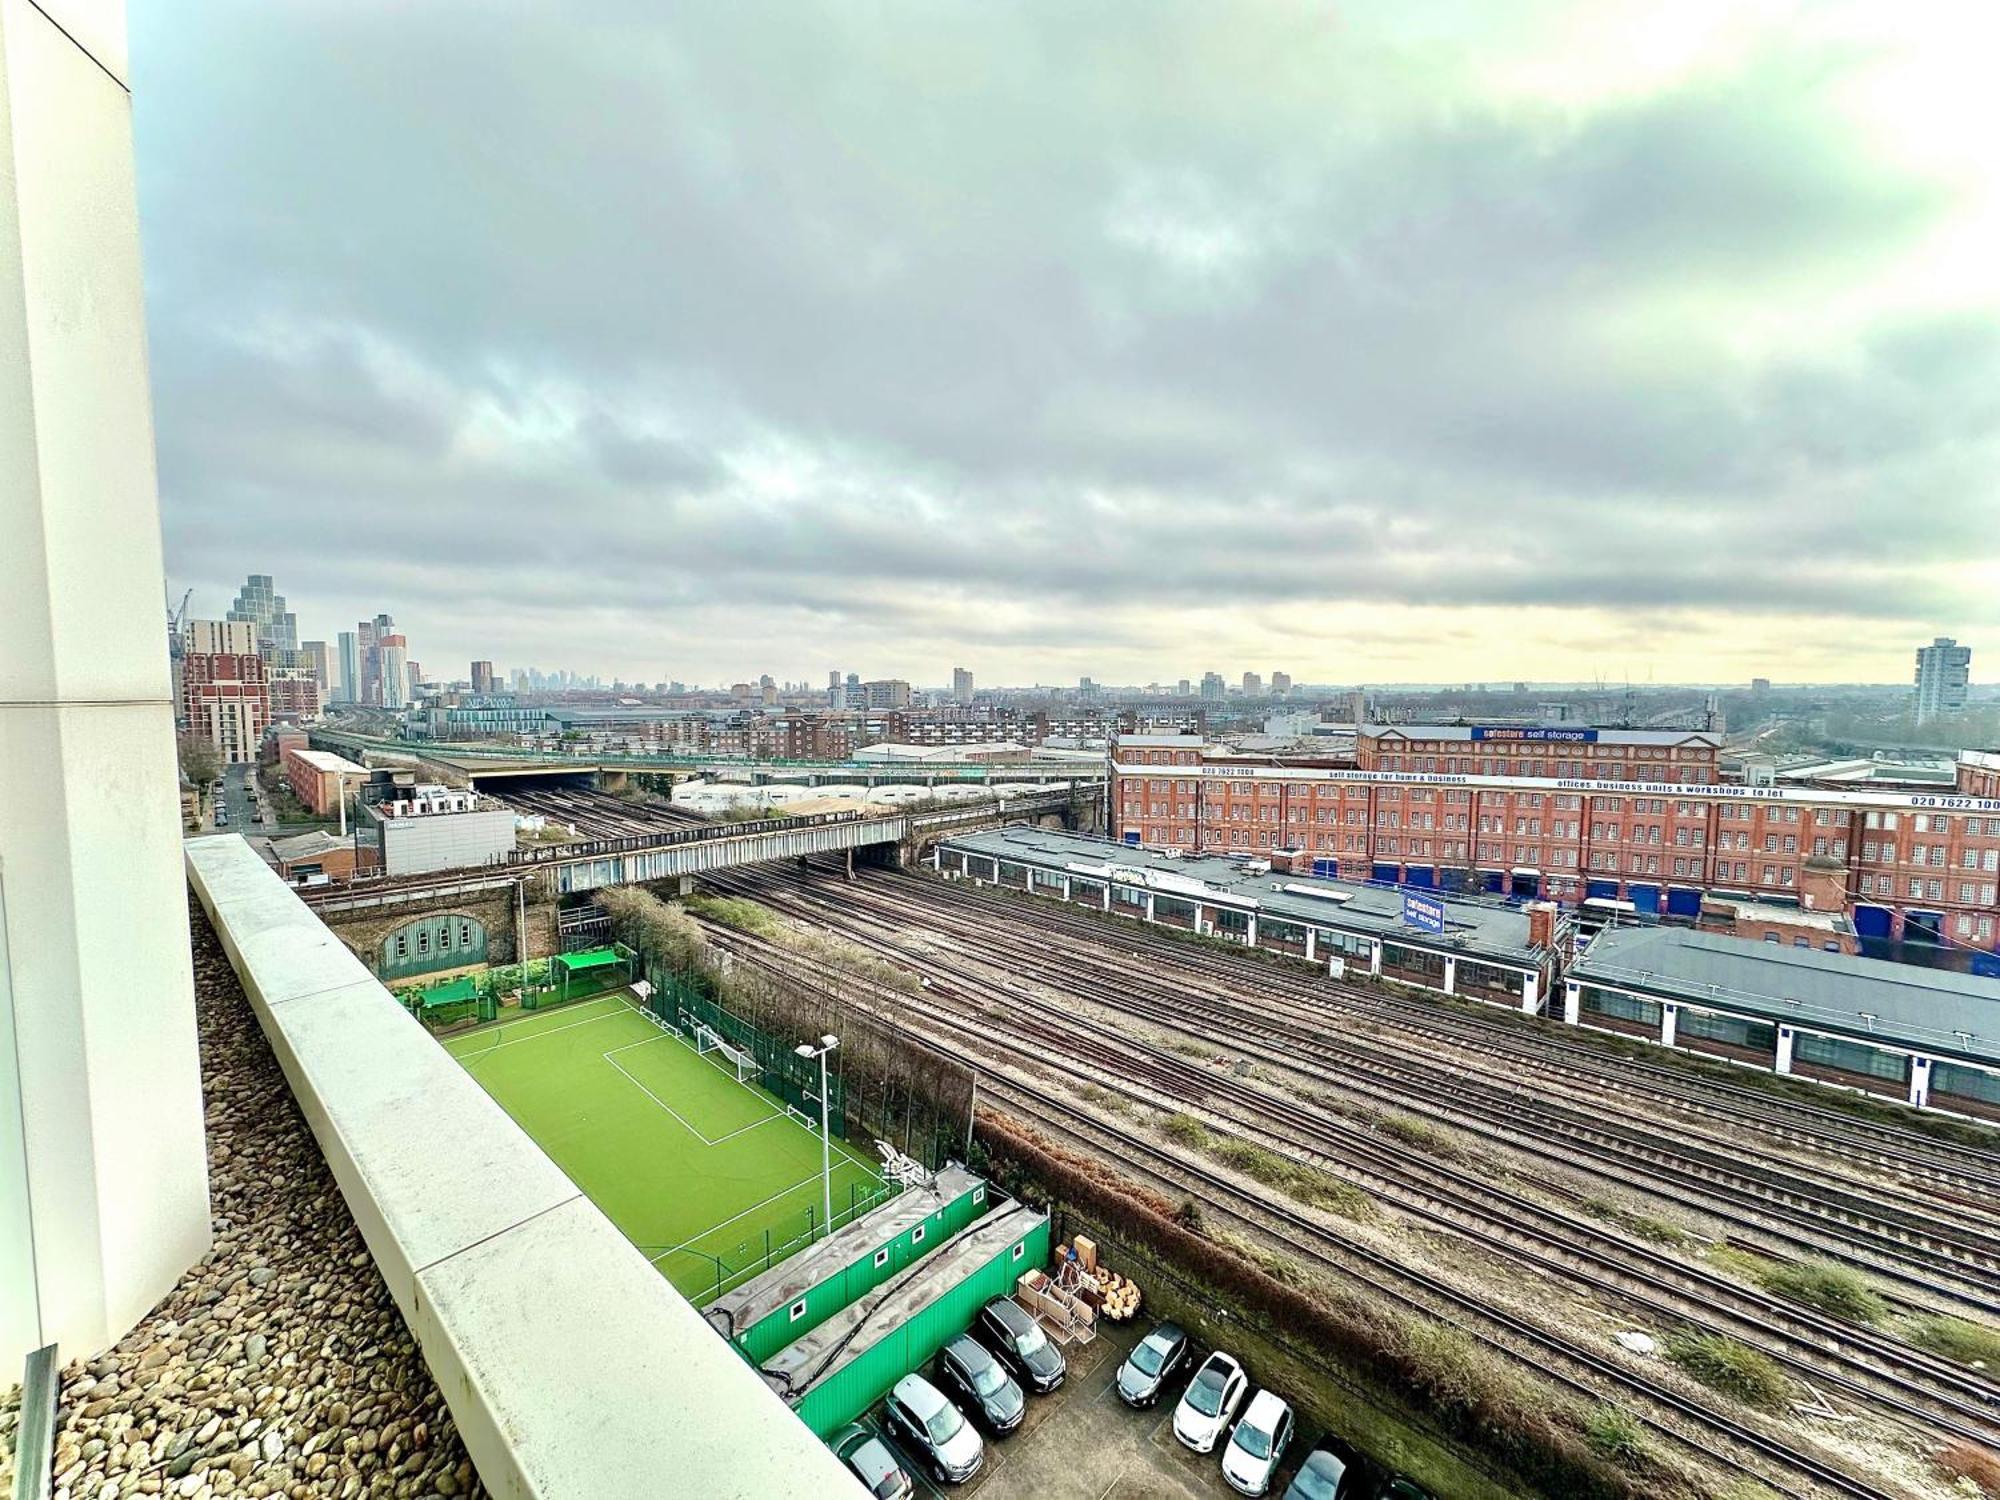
<point x="866" y="1376"/>
<point x="875" y="1261"/>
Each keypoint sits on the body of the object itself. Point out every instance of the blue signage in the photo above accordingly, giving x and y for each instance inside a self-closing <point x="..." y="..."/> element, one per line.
<point x="1516" y="732"/>
<point x="1426" y="912"/>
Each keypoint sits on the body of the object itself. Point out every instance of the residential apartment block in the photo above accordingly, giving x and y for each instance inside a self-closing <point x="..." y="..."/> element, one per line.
<point x="223" y="692"/>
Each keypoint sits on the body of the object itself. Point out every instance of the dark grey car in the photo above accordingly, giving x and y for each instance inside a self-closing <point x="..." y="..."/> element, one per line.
<point x="1151" y="1364"/>
<point x="868" y="1458"/>
<point x="982" y="1385"/>
<point x="1005" y="1327"/>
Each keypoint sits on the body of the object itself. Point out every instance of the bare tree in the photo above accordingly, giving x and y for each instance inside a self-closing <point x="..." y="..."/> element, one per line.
<point x="200" y="758"/>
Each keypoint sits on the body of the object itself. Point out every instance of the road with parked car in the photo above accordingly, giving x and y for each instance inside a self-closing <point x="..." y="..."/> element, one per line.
<point x="978" y="1419"/>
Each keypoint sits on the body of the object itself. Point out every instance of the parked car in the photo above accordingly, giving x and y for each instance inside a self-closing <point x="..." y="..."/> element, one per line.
<point x="1326" y="1474"/>
<point x="919" y="1413"/>
<point x="981" y="1385"/>
<point x="1005" y="1327"/>
<point x="1154" y="1361"/>
<point x="869" y="1460"/>
<point x="1258" y="1443"/>
<point x="1209" y="1404"/>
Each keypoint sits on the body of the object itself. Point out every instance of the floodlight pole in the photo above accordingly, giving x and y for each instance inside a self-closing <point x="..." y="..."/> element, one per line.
<point x="807" y="1050"/>
<point x="825" y="1147"/>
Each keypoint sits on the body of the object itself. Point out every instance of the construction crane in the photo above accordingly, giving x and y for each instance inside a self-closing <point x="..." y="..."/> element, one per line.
<point x="177" y="622"/>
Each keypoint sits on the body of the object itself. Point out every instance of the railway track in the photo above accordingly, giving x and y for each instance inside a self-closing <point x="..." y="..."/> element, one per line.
<point x="1975" y="1171"/>
<point x="1911" y="1154"/>
<point x="598" y="815"/>
<point x="1719" y="1437"/>
<point x="1898" y="1239"/>
<point x="1647" y="1283"/>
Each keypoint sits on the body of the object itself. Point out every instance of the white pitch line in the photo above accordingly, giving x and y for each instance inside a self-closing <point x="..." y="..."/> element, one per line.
<point x="658" y="1100"/>
<point x="781" y="1193"/>
<point x="507" y="1026"/>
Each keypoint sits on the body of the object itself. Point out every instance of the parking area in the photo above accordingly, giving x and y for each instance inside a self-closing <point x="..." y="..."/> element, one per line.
<point x="1083" y="1441"/>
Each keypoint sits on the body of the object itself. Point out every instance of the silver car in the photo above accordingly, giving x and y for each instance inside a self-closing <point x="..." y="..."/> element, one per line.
<point x="1258" y="1444"/>
<point x="919" y="1414"/>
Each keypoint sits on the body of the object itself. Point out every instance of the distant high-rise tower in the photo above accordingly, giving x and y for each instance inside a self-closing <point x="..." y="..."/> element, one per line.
<point x="393" y="655"/>
<point x="1253" y="685"/>
<point x="1944" y="671"/>
<point x="482" y="677"/>
<point x="347" y="658"/>
<point x="961" y="684"/>
<point x="322" y="664"/>
<point x="259" y="604"/>
<point x="1281" y="684"/>
<point x="1212" y="686"/>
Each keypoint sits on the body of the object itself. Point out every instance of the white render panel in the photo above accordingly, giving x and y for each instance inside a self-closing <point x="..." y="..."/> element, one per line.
<point x="73" y="324"/>
<point x="446" y="841"/>
<point x="100" y="984"/>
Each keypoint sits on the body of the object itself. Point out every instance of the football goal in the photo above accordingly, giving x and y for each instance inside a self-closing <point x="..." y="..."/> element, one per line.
<point x="710" y="1041"/>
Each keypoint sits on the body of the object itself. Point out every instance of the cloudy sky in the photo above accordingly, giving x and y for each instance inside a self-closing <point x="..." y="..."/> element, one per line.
<point x="1371" y="342"/>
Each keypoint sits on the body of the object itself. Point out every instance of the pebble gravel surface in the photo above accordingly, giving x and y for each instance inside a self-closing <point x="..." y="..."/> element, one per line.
<point x="278" y="1366"/>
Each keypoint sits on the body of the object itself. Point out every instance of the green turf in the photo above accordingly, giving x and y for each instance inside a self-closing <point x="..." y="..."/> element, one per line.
<point x="693" y="1166"/>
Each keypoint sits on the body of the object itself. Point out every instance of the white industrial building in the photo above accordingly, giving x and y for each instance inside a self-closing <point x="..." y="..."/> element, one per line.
<point x="436" y="828"/>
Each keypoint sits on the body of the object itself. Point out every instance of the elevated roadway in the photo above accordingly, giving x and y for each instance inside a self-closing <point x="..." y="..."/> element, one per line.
<point x="488" y="763"/>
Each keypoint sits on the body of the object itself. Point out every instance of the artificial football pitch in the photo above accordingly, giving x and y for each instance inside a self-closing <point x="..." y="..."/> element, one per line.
<point x="704" y="1174"/>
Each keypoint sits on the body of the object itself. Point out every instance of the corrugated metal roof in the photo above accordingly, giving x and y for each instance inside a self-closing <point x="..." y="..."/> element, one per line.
<point x="1932" y="1010"/>
<point x="1475" y="929"/>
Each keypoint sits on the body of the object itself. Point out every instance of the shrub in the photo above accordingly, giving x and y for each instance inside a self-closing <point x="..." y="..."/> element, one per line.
<point x="1309" y="1185"/>
<point x="1956" y="1338"/>
<point x="1832" y="1289"/>
<point x="1963" y="1460"/>
<point x="1614" y="1434"/>
<point x="649" y="926"/>
<point x="734" y="911"/>
<point x="1734" y="1369"/>
<point x="1421" y="1134"/>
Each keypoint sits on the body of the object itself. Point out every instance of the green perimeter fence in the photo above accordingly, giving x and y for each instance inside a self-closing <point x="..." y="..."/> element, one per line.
<point x="543" y="984"/>
<point x="687" y="999"/>
<point x="764" y="1248"/>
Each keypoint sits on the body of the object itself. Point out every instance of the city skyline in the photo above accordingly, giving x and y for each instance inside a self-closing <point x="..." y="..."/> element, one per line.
<point x="957" y="680"/>
<point x="1420" y="344"/>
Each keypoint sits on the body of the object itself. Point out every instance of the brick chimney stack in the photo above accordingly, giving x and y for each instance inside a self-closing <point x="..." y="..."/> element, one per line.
<point x="1541" y="924"/>
<point x="1823" y="885"/>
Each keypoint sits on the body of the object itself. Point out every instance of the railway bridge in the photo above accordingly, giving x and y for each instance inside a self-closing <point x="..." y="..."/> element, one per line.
<point x="415" y="925"/>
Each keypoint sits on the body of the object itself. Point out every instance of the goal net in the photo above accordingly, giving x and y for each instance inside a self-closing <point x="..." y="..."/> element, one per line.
<point x="709" y="1041"/>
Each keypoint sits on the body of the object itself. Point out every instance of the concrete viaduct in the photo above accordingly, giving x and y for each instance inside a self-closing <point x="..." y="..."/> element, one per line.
<point x="518" y="905"/>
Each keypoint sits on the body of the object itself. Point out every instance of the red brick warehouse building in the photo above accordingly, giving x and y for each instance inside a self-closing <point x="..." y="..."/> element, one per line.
<point x="1568" y="813"/>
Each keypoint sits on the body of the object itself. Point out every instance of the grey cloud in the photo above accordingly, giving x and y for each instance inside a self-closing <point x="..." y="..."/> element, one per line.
<point x="986" y="327"/>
